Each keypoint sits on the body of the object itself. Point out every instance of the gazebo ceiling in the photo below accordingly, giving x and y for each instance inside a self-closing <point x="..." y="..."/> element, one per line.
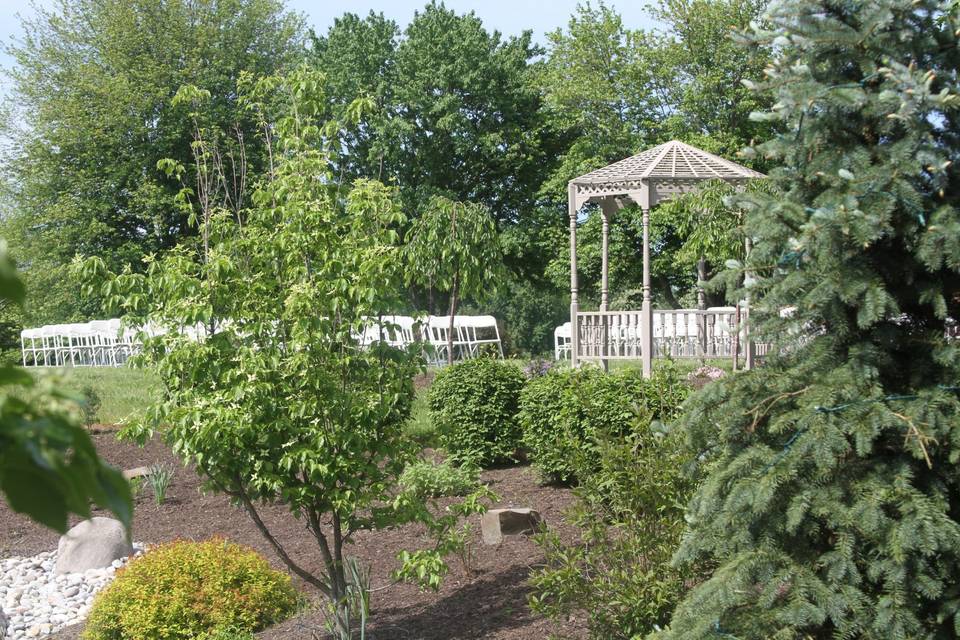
<point x="657" y="174"/>
<point x="670" y="160"/>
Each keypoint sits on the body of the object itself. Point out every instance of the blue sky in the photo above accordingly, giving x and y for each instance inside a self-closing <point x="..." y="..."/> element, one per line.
<point x="507" y="16"/>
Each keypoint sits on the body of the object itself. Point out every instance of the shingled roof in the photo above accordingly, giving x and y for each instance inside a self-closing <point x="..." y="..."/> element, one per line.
<point x="671" y="160"/>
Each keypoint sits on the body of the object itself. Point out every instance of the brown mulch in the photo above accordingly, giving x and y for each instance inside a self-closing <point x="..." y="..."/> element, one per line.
<point x="489" y="602"/>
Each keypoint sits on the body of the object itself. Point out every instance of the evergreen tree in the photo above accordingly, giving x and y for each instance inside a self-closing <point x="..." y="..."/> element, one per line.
<point x="830" y="500"/>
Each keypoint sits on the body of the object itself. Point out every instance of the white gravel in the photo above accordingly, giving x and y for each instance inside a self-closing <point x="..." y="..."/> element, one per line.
<point x="38" y="602"/>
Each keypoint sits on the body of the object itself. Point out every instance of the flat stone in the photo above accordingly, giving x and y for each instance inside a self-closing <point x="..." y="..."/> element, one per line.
<point x="92" y="544"/>
<point x="136" y="472"/>
<point x="496" y="523"/>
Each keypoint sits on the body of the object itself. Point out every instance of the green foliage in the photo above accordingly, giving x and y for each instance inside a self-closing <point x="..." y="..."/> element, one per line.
<point x="630" y="514"/>
<point x="454" y="247"/>
<point x="474" y="406"/>
<point x="136" y="487"/>
<point x="91" y="114"/>
<point x="427" y="479"/>
<point x="90" y="406"/>
<point x="563" y="413"/>
<point x="48" y="465"/>
<point x="453" y="110"/>
<point x="426" y="567"/>
<point x="279" y="402"/>
<point x="191" y="590"/>
<point x="829" y="492"/>
<point x="708" y="223"/>
<point x="160" y="477"/>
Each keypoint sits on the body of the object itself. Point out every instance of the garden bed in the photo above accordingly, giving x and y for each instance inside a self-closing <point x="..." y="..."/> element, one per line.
<point x="489" y="603"/>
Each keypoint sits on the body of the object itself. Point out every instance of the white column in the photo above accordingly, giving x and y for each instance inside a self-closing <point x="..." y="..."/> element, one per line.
<point x="607" y="208"/>
<point x="574" y="303"/>
<point x="747" y="342"/>
<point x="646" y="326"/>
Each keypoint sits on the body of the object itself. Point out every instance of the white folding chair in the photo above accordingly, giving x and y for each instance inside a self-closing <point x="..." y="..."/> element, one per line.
<point x="438" y="333"/>
<point x="477" y="331"/>
<point x="562" y="339"/>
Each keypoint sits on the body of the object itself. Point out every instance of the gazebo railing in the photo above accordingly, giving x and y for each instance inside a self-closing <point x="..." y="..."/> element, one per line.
<point x="677" y="333"/>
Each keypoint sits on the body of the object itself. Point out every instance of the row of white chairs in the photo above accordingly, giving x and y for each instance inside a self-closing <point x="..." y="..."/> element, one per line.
<point x="471" y="335"/>
<point x="105" y="343"/>
<point x="98" y="343"/>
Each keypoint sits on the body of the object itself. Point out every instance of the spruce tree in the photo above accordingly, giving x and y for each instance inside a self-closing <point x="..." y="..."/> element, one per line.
<point x="829" y="504"/>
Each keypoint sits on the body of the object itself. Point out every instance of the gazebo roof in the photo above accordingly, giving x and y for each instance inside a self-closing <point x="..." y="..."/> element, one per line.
<point x="672" y="160"/>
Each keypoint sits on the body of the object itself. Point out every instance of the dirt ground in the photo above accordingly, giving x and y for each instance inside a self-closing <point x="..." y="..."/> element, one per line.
<point x="488" y="602"/>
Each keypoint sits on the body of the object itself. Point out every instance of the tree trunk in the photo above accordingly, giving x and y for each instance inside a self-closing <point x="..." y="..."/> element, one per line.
<point x="453" y="312"/>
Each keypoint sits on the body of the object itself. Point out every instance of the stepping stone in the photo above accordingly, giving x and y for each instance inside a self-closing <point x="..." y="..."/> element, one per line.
<point x="496" y="523"/>
<point x="137" y="472"/>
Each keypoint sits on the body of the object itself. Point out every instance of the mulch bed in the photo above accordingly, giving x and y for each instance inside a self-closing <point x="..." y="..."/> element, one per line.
<point x="488" y="602"/>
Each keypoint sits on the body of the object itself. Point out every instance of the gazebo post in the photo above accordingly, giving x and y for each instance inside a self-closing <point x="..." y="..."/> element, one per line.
<point x="574" y="303"/>
<point x="646" y="311"/>
<point x="607" y="208"/>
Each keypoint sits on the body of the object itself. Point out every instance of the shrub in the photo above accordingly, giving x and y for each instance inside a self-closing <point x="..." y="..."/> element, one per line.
<point x="563" y="411"/>
<point x="426" y="479"/>
<point x="191" y="590"/>
<point x="630" y="512"/>
<point x="474" y="407"/>
<point x="90" y="406"/>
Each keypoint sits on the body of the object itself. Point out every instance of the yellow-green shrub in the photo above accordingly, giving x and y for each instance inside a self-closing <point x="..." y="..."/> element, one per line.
<point x="191" y="590"/>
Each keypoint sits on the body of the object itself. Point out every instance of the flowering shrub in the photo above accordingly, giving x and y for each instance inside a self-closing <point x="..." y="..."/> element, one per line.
<point x="708" y="372"/>
<point x="191" y="591"/>
<point x="539" y="367"/>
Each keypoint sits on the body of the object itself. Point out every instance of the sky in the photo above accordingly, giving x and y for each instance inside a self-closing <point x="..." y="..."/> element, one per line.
<point x="507" y="16"/>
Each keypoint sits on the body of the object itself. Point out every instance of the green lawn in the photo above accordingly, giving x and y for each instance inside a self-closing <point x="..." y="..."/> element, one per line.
<point x="123" y="392"/>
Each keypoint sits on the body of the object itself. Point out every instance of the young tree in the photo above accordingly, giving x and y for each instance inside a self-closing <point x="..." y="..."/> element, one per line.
<point x="454" y="247"/>
<point x="829" y="501"/>
<point x="277" y="400"/>
<point x="91" y="114"/>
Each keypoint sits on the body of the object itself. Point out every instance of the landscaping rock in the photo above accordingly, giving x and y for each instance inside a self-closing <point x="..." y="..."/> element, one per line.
<point x="496" y="523"/>
<point x="92" y="544"/>
<point x="136" y="472"/>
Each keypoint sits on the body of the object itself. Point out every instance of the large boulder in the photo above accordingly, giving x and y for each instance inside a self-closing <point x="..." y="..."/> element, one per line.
<point x="496" y="523"/>
<point x="92" y="544"/>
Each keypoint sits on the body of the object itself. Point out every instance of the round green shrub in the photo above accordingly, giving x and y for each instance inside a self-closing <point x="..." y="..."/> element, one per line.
<point x="474" y="407"/>
<point x="191" y="591"/>
<point x="563" y="412"/>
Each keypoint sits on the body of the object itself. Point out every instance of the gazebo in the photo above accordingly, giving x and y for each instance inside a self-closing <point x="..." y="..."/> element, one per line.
<point x="653" y="176"/>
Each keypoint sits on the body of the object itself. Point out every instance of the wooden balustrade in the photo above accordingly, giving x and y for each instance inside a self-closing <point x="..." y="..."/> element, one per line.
<point x="677" y="333"/>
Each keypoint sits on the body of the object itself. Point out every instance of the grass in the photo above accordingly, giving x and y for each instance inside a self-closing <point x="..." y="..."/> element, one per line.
<point x="123" y="392"/>
<point x="127" y="392"/>
<point x="420" y="425"/>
